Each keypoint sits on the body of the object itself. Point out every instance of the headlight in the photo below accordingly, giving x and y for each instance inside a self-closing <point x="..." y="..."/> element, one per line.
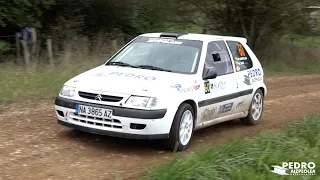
<point x="138" y="101"/>
<point x="67" y="91"/>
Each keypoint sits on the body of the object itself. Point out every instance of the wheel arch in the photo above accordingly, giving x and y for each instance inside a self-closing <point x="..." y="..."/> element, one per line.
<point x="173" y="141"/>
<point x="264" y="90"/>
<point x="193" y="105"/>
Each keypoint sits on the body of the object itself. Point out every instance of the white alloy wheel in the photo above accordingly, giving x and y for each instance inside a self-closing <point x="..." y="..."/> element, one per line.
<point x="182" y="128"/>
<point x="186" y="127"/>
<point x="255" y="110"/>
<point x="256" y="106"/>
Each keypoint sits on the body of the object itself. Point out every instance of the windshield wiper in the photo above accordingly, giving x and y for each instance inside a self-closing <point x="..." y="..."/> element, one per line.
<point x="121" y="64"/>
<point x="153" y="68"/>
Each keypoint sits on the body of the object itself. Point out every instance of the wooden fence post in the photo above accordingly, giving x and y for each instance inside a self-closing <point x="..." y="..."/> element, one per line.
<point x="33" y="46"/>
<point x="26" y="52"/>
<point x="18" y="47"/>
<point x="50" y="54"/>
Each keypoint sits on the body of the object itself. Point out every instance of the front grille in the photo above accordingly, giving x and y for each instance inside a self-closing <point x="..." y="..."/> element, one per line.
<point x="110" y="123"/>
<point x="93" y="96"/>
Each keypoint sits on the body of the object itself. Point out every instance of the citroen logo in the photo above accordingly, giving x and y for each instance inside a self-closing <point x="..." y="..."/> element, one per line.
<point x="98" y="97"/>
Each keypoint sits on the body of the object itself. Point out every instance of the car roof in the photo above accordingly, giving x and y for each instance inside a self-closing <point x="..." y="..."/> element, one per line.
<point x="200" y="37"/>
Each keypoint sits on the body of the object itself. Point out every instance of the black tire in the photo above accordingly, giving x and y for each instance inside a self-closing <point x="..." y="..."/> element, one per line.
<point x="174" y="142"/>
<point x="250" y="120"/>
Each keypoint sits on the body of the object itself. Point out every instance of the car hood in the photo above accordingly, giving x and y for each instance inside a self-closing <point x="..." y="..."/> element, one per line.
<point x="134" y="81"/>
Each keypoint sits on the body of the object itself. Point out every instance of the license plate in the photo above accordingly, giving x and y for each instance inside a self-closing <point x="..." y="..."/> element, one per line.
<point x="94" y="111"/>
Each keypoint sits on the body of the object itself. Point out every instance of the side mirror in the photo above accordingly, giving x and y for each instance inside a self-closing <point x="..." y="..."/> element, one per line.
<point x="216" y="57"/>
<point x="209" y="73"/>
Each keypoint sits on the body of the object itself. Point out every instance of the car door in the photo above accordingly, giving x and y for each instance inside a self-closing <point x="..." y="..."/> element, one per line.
<point x="217" y="94"/>
<point x="245" y="75"/>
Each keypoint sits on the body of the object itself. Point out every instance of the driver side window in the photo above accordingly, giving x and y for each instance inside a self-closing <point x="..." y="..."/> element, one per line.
<point x="224" y="66"/>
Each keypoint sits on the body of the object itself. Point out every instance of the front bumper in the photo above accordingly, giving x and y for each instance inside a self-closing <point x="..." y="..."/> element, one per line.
<point x="153" y="124"/>
<point x="117" y="111"/>
<point x="113" y="134"/>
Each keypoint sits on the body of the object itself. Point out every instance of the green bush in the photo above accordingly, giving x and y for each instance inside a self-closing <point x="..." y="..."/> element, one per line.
<point x="4" y="47"/>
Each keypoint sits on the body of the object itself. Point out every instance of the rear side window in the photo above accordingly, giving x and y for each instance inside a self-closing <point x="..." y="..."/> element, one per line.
<point x="241" y="58"/>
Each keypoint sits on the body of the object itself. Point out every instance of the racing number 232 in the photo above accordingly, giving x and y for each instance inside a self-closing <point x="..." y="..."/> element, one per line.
<point x="241" y="50"/>
<point x="207" y="87"/>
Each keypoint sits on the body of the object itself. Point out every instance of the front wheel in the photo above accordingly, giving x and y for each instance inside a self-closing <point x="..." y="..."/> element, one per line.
<point x="255" y="110"/>
<point x="182" y="128"/>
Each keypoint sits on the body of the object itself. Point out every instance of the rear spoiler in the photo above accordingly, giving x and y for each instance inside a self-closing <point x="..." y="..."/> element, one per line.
<point x="243" y="40"/>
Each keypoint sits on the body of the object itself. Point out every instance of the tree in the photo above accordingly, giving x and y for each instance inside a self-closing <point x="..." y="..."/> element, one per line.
<point x="22" y="12"/>
<point x="256" y="20"/>
<point x="101" y="15"/>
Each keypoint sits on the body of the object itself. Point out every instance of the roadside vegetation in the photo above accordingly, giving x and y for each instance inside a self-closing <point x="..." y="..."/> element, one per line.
<point x="85" y="33"/>
<point x="43" y="81"/>
<point x="249" y="158"/>
<point x="292" y="55"/>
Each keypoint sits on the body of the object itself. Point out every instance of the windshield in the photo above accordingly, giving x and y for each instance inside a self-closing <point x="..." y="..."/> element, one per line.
<point x="173" y="55"/>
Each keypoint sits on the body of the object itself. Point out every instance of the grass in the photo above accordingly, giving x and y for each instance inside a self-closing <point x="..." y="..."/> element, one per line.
<point x="300" y="56"/>
<point x="19" y="84"/>
<point x="249" y="158"/>
<point x="291" y="68"/>
<point x="302" y="41"/>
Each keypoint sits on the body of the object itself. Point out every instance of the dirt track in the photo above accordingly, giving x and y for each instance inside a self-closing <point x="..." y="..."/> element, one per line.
<point x="34" y="146"/>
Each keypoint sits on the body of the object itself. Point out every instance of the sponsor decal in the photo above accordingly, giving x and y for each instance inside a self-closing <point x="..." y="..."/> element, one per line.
<point x="240" y="104"/>
<point x="253" y="76"/>
<point x="254" y="73"/>
<point x="165" y="41"/>
<point x="100" y="74"/>
<point x="209" y="113"/>
<point x="66" y="116"/>
<point x="295" y="169"/>
<point x="133" y="76"/>
<point x="207" y="87"/>
<point x="241" y="59"/>
<point x="238" y="67"/>
<point x="218" y="85"/>
<point x="236" y="62"/>
<point x="196" y="86"/>
<point x="247" y="80"/>
<point x="177" y="86"/>
<point x="225" y="108"/>
<point x="187" y="89"/>
<point x="257" y="79"/>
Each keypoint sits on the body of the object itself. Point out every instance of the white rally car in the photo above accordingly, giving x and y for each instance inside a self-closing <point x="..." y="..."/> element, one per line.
<point x="166" y="86"/>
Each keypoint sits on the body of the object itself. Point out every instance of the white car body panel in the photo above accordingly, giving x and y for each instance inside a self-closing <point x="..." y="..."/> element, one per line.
<point x="125" y="82"/>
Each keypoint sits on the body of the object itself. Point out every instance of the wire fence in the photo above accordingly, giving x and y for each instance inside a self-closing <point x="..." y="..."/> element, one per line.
<point x="25" y="46"/>
<point x="8" y="36"/>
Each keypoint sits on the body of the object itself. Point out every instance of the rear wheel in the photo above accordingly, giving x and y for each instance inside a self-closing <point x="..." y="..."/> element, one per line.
<point x="182" y="128"/>
<point x="255" y="110"/>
